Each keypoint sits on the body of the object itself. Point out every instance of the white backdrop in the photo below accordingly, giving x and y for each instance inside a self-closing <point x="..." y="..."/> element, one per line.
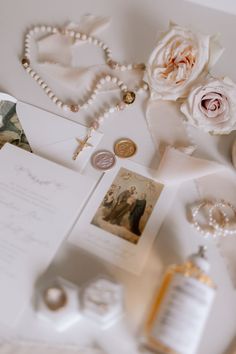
<point x="131" y="36"/>
<point x="228" y="6"/>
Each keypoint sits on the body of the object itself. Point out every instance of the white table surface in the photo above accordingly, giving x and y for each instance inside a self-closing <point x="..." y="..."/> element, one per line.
<point x="132" y="36"/>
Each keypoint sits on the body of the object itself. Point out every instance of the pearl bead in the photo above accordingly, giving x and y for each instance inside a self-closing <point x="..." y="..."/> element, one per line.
<point x="95" y="125"/>
<point x="65" y="107"/>
<point x="100" y="119"/>
<point x="123" y="68"/>
<point x="114" y="80"/>
<point x="108" y="78"/>
<point x="36" y="29"/>
<point x="129" y="66"/>
<point x="84" y="37"/>
<point x="90" y="101"/>
<point x="78" y="35"/>
<point x="145" y="86"/>
<point x="95" y="41"/>
<point x="54" y="99"/>
<point x="121" y="106"/>
<point x="102" y="81"/>
<point x="59" y="103"/>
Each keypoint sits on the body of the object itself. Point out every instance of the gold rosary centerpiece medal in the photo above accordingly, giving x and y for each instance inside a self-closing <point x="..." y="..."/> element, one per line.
<point x="129" y="97"/>
<point x="55" y="298"/>
<point x="125" y="148"/>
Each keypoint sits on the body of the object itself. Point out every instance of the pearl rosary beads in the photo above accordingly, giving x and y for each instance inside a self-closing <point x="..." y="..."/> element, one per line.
<point x="128" y="97"/>
<point x="220" y="226"/>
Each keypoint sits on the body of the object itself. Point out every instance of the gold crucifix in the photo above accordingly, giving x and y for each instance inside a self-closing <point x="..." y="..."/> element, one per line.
<point x="82" y="144"/>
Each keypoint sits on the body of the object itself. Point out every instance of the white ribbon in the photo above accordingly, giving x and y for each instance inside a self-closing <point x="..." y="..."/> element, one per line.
<point x="75" y="66"/>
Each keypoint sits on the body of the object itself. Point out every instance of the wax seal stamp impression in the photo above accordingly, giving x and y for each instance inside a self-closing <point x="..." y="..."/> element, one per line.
<point x="125" y="148"/>
<point x="102" y="301"/>
<point x="103" y="160"/>
<point x="57" y="303"/>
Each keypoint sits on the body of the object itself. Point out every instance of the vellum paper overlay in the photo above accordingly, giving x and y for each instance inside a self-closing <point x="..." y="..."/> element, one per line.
<point x="39" y="203"/>
<point x="121" y="220"/>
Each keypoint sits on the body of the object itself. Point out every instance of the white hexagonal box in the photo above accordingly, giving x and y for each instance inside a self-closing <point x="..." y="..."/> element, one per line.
<point x="57" y="302"/>
<point x="102" y="301"/>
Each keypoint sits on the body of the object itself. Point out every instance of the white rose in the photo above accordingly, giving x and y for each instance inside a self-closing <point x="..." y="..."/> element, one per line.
<point x="212" y="106"/>
<point x="178" y="60"/>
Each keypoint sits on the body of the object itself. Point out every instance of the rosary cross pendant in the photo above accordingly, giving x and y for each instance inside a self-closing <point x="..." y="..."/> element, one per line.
<point x="82" y="145"/>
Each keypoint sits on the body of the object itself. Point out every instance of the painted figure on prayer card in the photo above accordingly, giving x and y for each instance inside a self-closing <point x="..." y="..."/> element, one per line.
<point x="124" y="203"/>
<point x="136" y="213"/>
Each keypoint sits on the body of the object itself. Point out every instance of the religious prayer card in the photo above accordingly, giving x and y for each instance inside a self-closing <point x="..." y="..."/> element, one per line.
<point x="123" y="216"/>
<point x="39" y="203"/>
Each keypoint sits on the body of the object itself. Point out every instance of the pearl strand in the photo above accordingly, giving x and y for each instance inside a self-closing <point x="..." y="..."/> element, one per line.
<point x="228" y="227"/>
<point x="79" y="36"/>
<point x="103" y="80"/>
<point x="205" y="230"/>
<point x="215" y="228"/>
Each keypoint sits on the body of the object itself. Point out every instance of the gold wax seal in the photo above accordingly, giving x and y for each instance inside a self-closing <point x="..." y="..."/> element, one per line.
<point x="125" y="148"/>
<point x="129" y="97"/>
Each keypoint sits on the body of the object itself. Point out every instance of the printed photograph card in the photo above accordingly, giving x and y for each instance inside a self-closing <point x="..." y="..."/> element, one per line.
<point x="123" y="216"/>
<point x="11" y="130"/>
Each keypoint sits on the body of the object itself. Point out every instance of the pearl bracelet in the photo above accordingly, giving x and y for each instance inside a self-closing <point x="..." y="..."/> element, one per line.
<point x="227" y="227"/>
<point x="214" y="227"/>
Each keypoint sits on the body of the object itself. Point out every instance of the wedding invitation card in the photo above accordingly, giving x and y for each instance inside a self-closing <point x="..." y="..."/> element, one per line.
<point x="122" y="218"/>
<point x="39" y="203"/>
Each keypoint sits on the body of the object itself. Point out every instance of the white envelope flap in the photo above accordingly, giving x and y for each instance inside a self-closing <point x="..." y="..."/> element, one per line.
<point x="54" y="137"/>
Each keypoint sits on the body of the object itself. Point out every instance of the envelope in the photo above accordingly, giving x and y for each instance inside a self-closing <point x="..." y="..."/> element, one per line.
<point x="55" y="138"/>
